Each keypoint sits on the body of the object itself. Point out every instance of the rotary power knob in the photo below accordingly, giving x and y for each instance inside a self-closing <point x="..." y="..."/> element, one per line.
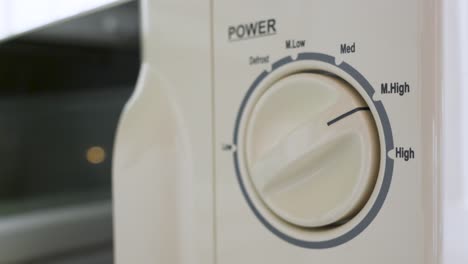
<point x="312" y="150"/>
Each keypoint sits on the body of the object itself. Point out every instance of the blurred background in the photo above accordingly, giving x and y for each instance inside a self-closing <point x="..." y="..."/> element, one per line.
<point x="66" y="70"/>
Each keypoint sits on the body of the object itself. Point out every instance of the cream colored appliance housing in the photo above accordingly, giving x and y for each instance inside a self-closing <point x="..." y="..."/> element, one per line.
<point x="292" y="132"/>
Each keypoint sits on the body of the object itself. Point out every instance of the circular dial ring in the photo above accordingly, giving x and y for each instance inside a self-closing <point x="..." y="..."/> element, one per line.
<point x="348" y="73"/>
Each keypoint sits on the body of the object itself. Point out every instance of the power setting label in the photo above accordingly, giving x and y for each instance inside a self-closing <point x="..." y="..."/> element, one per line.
<point x="395" y="88"/>
<point x="257" y="29"/>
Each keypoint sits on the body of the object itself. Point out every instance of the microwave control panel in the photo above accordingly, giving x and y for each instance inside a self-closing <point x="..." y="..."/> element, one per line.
<point x="318" y="133"/>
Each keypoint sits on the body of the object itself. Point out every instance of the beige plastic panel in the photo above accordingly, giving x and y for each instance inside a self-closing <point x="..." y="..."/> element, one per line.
<point x="310" y="164"/>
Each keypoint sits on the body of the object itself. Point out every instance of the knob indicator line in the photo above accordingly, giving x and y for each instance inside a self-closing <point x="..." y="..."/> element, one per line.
<point x="331" y="122"/>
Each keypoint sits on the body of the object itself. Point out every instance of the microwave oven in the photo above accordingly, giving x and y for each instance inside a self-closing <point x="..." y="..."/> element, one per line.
<point x="296" y="132"/>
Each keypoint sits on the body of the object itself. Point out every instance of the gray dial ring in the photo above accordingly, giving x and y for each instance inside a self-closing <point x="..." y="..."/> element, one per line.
<point x="388" y="171"/>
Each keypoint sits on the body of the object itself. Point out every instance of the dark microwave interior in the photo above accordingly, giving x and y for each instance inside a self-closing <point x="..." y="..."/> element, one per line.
<point x="62" y="90"/>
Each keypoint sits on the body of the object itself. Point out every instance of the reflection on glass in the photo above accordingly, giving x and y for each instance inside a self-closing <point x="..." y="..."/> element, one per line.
<point x="19" y="16"/>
